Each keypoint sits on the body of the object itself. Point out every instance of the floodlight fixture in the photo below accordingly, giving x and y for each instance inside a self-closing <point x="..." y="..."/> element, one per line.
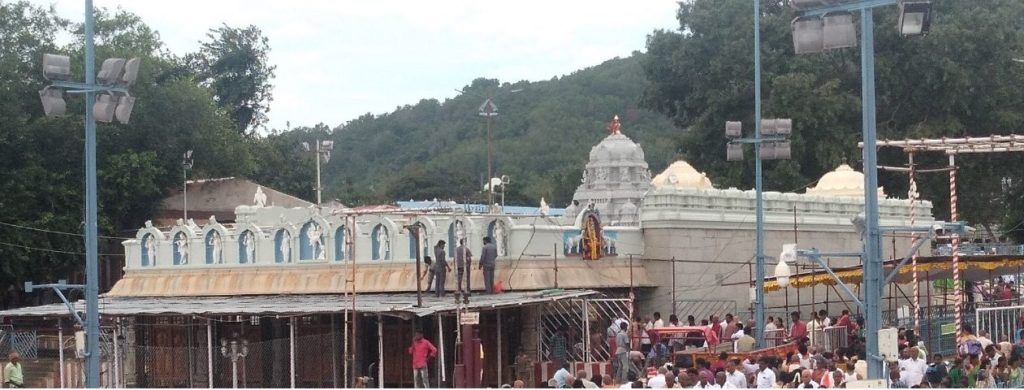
<point x="768" y="127"/>
<point x="734" y="152"/>
<point x="783" y="126"/>
<point x="111" y="71"/>
<point x="123" y="112"/>
<point x="131" y="71"/>
<point x="780" y="150"/>
<point x="56" y="67"/>
<point x="733" y="129"/>
<point x="838" y="31"/>
<point x="53" y="101"/>
<point x="327" y="145"/>
<point x="808" y="35"/>
<point x="915" y="17"/>
<point x="104" y="108"/>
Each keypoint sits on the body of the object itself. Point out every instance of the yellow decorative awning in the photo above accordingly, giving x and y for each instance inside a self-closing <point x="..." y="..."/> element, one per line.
<point x="928" y="268"/>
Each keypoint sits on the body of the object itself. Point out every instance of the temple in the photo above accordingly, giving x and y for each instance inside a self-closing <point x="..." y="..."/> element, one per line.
<point x="333" y="280"/>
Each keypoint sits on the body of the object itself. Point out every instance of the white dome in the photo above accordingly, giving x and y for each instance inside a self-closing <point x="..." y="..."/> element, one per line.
<point x="681" y="175"/>
<point x="616" y="147"/>
<point x="842" y="182"/>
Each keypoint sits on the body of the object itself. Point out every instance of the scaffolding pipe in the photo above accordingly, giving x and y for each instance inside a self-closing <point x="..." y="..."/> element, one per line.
<point x="291" y="355"/>
<point x="913" y="237"/>
<point x="440" y="344"/>
<point x="117" y="364"/>
<point x="60" y="349"/>
<point x="957" y="290"/>
<point x="380" y="351"/>
<point x="209" y="352"/>
<point x="499" y="334"/>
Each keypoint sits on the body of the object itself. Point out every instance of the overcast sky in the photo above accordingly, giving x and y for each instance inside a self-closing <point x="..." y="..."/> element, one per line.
<point x="337" y="60"/>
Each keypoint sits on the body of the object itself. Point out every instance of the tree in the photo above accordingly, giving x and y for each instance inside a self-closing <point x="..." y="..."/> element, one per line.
<point x="41" y="159"/>
<point x="957" y="81"/>
<point x="234" y="63"/>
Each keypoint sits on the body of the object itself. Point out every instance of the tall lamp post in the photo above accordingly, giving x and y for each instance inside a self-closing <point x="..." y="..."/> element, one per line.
<point x="830" y="26"/>
<point x="234" y="349"/>
<point x="770" y="143"/>
<point x="487" y="110"/>
<point x="778" y="148"/>
<point x="106" y="99"/>
<point x="322" y="149"/>
<point x="186" y="165"/>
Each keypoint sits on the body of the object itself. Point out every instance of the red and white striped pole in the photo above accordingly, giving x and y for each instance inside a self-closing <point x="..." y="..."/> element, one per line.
<point x="913" y="237"/>
<point x="957" y="290"/>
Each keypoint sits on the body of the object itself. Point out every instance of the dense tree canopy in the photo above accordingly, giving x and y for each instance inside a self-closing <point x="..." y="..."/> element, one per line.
<point x="234" y="62"/>
<point x="959" y="80"/>
<point x="41" y="159"/>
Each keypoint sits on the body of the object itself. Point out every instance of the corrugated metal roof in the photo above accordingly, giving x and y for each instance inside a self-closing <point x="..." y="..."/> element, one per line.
<point x="393" y="304"/>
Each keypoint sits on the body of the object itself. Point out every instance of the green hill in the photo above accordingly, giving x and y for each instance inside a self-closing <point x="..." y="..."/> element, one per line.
<point x="542" y="137"/>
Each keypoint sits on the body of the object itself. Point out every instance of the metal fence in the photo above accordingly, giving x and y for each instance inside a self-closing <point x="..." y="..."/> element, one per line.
<point x="578" y="327"/>
<point x="1001" y="323"/>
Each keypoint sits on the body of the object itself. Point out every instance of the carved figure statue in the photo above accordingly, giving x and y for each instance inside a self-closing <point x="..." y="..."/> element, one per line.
<point x="460" y="231"/>
<point x="500" y="238"/>
<point x="218" y="250"/>
<point x="182" y="243"/>
<point x="260" y="199"/>
<point x="316" y="243"/>
<point x="286" y="247"/>
<point x="249" y="243"/>
<point x="383" y="243"/>
<point x="584" y="179"/>
<point x="151" y="249"/>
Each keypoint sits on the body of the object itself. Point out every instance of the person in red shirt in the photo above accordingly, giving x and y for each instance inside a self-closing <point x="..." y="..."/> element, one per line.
<point x="799" y="328"/>
<point x="421" y="350"/>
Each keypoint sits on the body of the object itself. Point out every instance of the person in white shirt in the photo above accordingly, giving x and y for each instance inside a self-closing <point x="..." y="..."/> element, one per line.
<point x="912" y="369"/>
<point x="734" y="377"/>
<point x="824" y="318"/>
<point x="765" y="375"/>
<point x="984" y="340"/>
<point x="749" y="367"/>
<point x="770" y="324"/>
<point x="739" y="333"/>
<point x="658" y="323"/>
<point x="658" y="381"/>
<point x="722" y="381"/>
<point x="805" y="380"/>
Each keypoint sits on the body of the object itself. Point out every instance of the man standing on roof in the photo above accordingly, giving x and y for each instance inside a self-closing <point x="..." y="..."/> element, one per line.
<point x="463" y="260"/>
<point x="421" y="350"/>
<point x="488" y="255"/>
<point x="441" y="268"/>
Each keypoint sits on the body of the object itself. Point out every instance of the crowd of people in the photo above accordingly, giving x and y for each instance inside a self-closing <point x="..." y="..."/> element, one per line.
<point x="640" y="360"/>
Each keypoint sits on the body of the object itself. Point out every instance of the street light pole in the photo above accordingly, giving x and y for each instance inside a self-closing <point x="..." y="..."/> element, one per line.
<point x="872" y="236"/>
<point x="914" y="20"/>
<point x="318" y="188"/>
<point x="759" y="195"/>
<point x="92" y="307"/>
<point x="488" y="112"/>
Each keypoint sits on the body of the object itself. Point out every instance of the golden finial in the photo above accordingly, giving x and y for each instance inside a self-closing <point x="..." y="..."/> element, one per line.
<point x="614" y="125"/>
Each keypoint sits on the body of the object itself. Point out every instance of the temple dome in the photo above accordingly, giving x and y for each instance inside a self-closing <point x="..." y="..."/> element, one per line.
<point x="616" y="147"/>
<point x="681" y="175"/>
<point x="842" y="182"/>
